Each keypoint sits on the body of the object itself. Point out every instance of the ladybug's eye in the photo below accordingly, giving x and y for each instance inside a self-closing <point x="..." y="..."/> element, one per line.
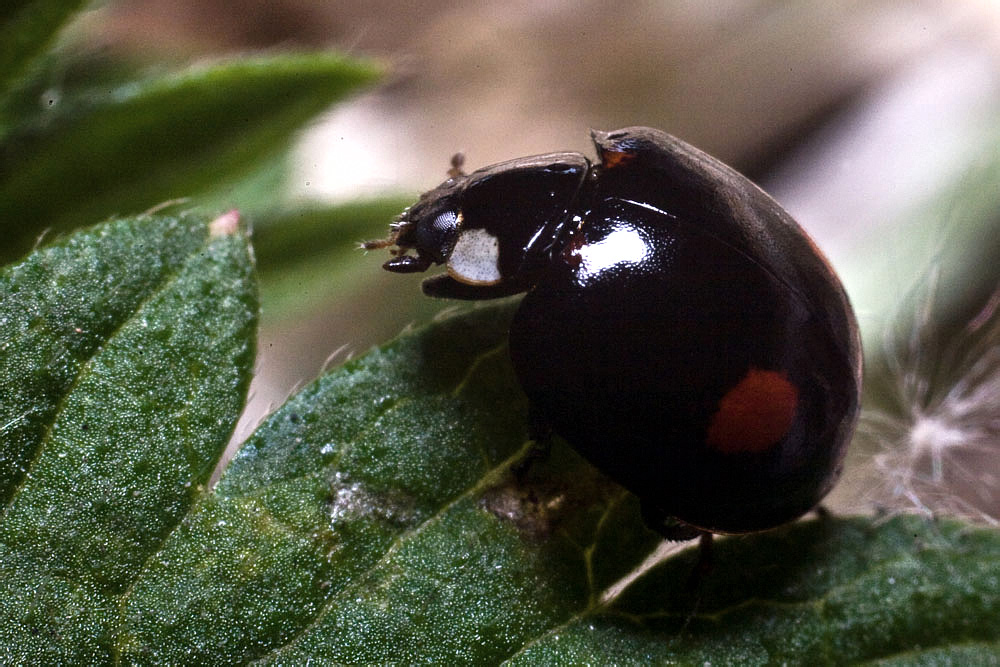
<point x="437" y="237"/>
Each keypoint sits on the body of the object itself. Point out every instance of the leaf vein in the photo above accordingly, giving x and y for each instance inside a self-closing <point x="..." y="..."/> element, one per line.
<point x="359" y="579"/>
<point x="167" y="280"/>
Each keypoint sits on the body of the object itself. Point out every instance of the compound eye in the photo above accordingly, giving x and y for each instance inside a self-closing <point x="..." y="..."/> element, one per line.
<point x="437" y="237"/>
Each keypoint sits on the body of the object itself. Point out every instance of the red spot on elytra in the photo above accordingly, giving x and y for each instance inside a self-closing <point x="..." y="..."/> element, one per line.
<point x="755" y="414"/>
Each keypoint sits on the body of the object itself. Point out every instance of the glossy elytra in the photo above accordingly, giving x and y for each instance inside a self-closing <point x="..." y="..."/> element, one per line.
<point x="679" y="330"/>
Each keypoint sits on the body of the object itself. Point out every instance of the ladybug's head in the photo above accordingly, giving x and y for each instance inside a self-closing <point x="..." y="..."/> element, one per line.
<point x="429" y="227"/>
<point x="491" y="228"/>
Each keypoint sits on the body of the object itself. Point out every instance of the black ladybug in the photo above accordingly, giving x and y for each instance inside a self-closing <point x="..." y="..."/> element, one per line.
<point x="679" y="330"/>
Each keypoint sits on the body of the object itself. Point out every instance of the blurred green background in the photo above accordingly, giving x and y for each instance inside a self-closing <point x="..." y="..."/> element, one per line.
<point x="876" y="123"/>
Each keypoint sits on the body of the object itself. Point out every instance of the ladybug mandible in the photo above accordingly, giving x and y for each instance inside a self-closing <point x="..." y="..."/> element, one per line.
<point x="679" y="329"/>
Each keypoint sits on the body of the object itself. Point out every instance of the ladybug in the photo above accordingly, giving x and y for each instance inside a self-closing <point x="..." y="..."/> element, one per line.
<point x="679" y="329"/>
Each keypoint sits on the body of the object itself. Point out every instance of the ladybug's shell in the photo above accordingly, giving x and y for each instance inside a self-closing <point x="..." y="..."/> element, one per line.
<point x="692" y="342"/>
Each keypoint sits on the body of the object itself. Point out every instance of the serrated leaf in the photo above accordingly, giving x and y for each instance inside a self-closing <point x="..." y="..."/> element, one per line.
<point x="378" y="517"/>
<point x="27" y="28"/>
<point x="161" y="138"/>
<point x="381" y="484"/>
<point x="126" y="355"/>
<point x="390" y="512"/>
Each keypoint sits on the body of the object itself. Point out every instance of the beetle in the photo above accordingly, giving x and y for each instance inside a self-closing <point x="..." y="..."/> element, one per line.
<point x="679" y="329"/>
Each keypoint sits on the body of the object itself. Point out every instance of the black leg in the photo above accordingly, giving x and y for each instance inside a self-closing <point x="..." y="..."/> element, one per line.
<point x="540" y="434"/>
<point x="676" y="531"/>
<point x="706" y="558"/>
<point x="695" y="585"/>
<point x="667" y="526"/>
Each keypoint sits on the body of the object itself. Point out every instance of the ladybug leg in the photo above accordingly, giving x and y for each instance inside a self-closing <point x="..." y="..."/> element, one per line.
<point x="699" y="574"/>
<point x="677" y="531"/>
<point x="706" y="558"/>
<point x="539" y="430"/>
<point x="666" y="525"/>
<point x="407" y="264"/>
<point x="540" y="434"/>
<point x="443" y="286"/>
<point x="700" y="571"/>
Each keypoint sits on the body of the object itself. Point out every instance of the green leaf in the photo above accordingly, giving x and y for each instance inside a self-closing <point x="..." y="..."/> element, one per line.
<point x="63" y="74"/>
<point x="832" y="591"/>
<point x="27" y="28"/>
<point x="310" y="255"/>
<point x="126" y="356"/>
<point x="289" y="236"/>
<point x="385" y="478"/>
<point x="165" y="137"/>
<point x="391" y="512"/>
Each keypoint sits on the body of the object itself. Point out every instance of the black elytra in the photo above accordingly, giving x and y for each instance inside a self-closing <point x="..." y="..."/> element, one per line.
<point x="679" y="329"/>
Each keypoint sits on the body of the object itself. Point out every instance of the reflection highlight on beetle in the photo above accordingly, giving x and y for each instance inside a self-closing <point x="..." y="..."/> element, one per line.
<point x="679" y="329"/>
<point x="623" y="246"/>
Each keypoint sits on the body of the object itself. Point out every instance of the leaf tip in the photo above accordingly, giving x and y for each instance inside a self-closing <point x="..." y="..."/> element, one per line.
<point x="225" y="225"/>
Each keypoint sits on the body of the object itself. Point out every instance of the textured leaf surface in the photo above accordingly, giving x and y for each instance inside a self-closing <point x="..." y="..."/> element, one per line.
<point x="160" y="138"/>
<point x="377" y="517"/>
<point x="387" y="512"/>
<point x="832" y="591"/>
<point x="369" y="504"/>
<point x="125" y="357"/>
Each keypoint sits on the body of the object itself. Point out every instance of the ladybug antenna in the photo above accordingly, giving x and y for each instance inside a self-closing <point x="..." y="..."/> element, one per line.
<point x="395" y="229"/>
<point x="457" y="160"/>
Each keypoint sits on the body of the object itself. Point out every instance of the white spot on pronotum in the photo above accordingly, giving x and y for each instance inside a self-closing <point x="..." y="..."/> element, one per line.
<point x="225" y="225"/>
<point x="475" y="259"/>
